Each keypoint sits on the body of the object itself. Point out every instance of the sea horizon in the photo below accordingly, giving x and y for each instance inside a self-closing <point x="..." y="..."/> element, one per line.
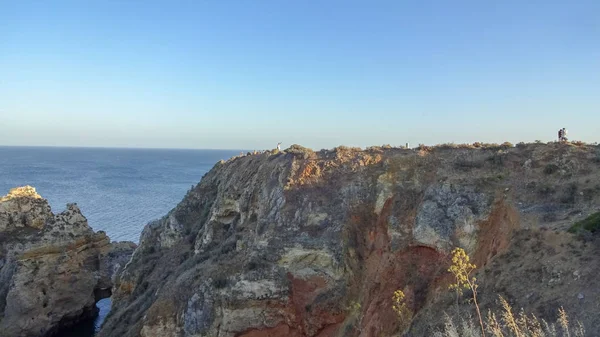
<point x="117" y="148"/>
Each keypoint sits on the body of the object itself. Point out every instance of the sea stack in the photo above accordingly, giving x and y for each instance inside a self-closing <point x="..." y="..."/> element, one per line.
<point x="53" y="267"/>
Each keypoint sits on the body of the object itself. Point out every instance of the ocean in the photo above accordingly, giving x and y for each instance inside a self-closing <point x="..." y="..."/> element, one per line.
<point x="118" y="190"/>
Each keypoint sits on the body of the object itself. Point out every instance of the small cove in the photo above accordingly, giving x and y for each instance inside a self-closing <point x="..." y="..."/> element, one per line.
<point x="118" y="190"/>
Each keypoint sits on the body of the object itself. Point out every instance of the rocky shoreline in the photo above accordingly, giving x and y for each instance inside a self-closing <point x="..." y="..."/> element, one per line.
<point x="313" y="244"/>
<point x="53" y="267"/>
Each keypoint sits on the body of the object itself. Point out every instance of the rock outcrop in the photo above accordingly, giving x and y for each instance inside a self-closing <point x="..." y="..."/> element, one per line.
<point x="53" y="267"/>
<point x="314" y="244"/>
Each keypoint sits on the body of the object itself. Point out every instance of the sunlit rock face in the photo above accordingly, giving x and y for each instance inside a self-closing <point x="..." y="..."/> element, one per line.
<point x="53" y="267"/>
<point x="298" y="243"/>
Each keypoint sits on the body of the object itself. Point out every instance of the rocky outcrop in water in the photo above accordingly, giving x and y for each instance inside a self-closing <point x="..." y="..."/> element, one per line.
<point x="314" y="244"/>
<point x="53" y="267"/>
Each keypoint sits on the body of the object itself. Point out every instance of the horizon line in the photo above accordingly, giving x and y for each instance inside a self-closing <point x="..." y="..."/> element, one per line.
<point x="118" y="147"/>
<point x="246" y="150"/>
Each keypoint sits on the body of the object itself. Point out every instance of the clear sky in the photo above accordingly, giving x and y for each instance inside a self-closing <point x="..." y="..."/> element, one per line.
<point x="250" y="73"/>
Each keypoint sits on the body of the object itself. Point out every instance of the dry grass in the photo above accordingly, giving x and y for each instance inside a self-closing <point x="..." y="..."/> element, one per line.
<point x="346" y="149"/>
<point x="476" y="145"/>
<point x="499" y="323"/>
<point x="507" y="323"/>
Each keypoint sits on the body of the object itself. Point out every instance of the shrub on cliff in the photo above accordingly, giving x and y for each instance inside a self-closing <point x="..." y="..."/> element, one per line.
<point x="399" y="306"/>
<point x="346" y="149"/>
<point x="451" y="146"/>
<point x="591" y="224"/>
<point x="376" y="149"/>
<point x="379" y="149"/>
<point x="447" y="146"/>
<point x="551" y="169"/>
<point x="461" y="269"/>
<point x="424" y="148"/>
<point x="596" y="158"/>
<point x="300" y="151"/>
<point x="521" y="145"/>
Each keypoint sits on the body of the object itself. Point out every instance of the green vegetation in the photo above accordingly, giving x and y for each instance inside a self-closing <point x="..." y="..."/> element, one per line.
<point x="591" y="224"/>
<point x="551" y="168"/>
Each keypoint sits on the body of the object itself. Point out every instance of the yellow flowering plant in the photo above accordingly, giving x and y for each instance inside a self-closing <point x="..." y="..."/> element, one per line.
<point x="462" y="268"/>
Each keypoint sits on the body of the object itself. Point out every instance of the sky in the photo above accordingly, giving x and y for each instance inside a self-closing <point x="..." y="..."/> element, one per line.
<point x="236" y="74"/>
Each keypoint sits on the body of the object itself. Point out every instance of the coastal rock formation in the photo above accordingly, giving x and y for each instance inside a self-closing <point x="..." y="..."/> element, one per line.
<point x="298" y="243"/>
<point x="53" y="267"/>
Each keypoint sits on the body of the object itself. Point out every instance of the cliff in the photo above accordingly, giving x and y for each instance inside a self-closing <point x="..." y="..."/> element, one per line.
<point x="301" y="244"/>
<point x="53" y="267"/>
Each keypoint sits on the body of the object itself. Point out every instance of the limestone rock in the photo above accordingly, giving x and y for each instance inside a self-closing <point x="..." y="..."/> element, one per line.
<point x="282" y="244"/>
<point x="22" y="207"/>
<point x="52" y="267"/>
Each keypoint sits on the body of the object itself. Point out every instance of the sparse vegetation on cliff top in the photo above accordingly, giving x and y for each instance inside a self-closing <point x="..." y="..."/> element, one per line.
<point x="300" y="151"/>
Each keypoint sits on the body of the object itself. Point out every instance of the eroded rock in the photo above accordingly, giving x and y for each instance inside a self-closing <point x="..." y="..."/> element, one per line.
<point x="314" y="246"/>
<point x="54" y="266"/>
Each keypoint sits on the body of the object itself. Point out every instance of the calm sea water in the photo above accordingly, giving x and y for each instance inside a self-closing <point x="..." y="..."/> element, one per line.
<point x="118" y="190"/>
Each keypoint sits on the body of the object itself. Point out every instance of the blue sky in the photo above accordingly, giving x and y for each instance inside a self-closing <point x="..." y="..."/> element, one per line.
<point x="248" y="74"/>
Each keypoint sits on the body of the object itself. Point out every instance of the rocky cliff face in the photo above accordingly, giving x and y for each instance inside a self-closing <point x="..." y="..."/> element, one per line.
<point x="314" y="244"/>
<point x="53" y="267"/>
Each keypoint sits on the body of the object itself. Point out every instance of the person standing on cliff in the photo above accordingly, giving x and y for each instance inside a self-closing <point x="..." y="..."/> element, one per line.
<point x="564" y="135"/>
<point x="560" y="135"/>
<point x="279" y="146"/>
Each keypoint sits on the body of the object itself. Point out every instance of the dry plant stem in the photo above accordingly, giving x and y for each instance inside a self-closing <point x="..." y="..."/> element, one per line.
<point x="473" y="287"/>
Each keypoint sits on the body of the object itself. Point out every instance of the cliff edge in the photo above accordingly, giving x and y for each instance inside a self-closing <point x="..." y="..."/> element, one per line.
<point x="301" y="243"/>
<point x="53" y="267"/>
